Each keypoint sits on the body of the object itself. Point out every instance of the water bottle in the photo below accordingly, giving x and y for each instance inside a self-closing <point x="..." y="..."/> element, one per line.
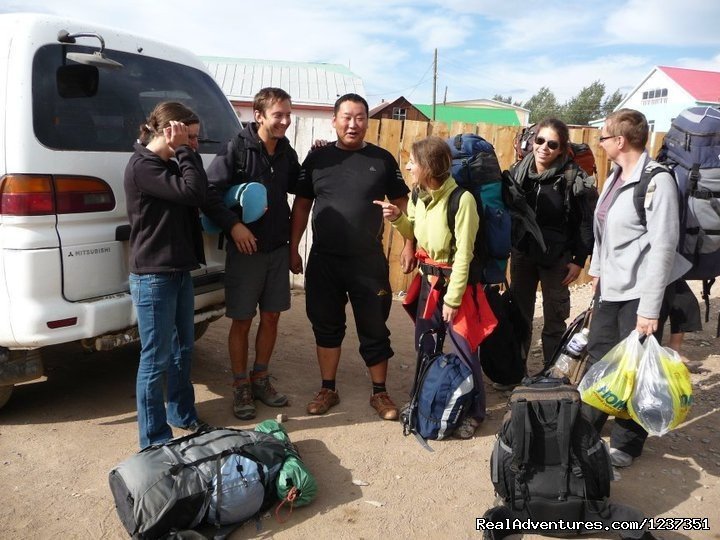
<point x="570" y="355"/>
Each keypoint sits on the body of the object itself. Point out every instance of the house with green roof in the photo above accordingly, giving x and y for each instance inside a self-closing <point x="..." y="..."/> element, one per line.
<point x="472" y="115"/>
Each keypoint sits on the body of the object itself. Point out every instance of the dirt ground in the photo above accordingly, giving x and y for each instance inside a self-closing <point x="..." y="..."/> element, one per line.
<point x="60" y="438"/>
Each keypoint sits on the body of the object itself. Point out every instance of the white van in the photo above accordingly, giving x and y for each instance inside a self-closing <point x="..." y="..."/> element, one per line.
<point x="72" y="96"/>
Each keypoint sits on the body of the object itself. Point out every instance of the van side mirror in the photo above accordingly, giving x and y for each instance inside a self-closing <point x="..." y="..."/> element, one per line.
<point x="77" y="80"/>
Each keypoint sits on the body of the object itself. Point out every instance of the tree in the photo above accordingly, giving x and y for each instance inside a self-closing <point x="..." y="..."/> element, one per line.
<point x="502" y="99"/>
<point x="588" y="105"/>
<point x="542" y="105"/>
<point x="610" y="102"/>
<point x="585" y="106"/>
<point x="508" y="100"/>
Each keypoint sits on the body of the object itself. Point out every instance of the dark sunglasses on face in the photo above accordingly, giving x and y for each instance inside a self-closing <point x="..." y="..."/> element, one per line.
<point x="552" y="145"/>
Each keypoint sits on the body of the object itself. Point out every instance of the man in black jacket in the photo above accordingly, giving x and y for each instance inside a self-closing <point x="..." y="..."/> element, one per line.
<point x="257" y="261"/>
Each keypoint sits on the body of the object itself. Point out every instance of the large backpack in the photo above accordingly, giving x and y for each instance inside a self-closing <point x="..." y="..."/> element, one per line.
<point x="443" y="391"/>
<point x="475" y="168"/>
<point x="691" y="152"/>
<point x="225" y="475"/>
<point x="579" y="152"/>
<point x="501" y="353"/>
<point x="549" y="464"/>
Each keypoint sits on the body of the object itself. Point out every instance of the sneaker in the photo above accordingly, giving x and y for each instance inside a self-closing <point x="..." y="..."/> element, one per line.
<point x="243" y="404"/>
<point x="263" y="390"/>
<point x="386" y="409"/>
<point x="467" y="428"/>
<point x="322" y="401"/>
<point x="618" y="458"/>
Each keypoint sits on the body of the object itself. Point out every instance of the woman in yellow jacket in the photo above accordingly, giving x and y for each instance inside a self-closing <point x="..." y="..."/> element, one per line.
<point x="441" y="290"/>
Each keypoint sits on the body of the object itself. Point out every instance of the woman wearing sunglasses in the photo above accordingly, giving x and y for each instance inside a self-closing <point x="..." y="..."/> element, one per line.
<point x="547" y="176"/>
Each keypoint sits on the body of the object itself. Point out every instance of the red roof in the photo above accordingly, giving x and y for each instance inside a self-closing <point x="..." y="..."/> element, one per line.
<point x="701" y="85"/>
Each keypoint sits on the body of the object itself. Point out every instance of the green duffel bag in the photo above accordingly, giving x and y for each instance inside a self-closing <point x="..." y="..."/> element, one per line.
<point x="274" y="428"/>
<point x="295" y="482"/>
<point x="293" y="473"/>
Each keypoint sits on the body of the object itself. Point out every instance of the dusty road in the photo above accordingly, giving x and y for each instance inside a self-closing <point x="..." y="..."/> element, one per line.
<point x="60" y="438"/>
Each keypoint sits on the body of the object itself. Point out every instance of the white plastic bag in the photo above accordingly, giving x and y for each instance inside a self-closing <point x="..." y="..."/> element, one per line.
<point x="663" y="392"/>
<point x="609" y="383"/>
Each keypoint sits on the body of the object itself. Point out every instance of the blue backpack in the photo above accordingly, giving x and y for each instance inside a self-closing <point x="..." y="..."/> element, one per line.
<point x="475" y="168"/>
<point x="444" y="389"/>
<point x="691" y="152"/>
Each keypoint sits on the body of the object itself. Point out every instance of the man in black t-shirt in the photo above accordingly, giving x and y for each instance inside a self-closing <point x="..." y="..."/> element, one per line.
<point x="347" y="260"/>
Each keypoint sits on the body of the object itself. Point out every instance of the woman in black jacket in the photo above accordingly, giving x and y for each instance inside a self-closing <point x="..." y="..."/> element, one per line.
<point x="165" y="183"/>
<point x="548" y="176"/>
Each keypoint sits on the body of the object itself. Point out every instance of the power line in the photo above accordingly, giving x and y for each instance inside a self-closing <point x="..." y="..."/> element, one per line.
<point x="412" y="88"/>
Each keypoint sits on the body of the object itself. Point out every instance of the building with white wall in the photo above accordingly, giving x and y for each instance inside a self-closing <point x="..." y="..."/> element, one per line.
<point x="666" y="91"/>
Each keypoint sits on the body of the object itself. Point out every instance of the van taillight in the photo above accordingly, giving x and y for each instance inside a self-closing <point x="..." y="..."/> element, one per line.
<point x="75" y="194"/>
<point x="39" y="195"/>
<point x="26" y="195"/>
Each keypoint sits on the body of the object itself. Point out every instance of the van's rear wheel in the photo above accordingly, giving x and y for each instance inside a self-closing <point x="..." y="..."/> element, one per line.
<point x="5" y="393"/>
<point x="200" y="329"/>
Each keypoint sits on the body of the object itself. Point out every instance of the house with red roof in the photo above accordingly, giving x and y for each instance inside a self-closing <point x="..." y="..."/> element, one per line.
<point x="666" y="91"/>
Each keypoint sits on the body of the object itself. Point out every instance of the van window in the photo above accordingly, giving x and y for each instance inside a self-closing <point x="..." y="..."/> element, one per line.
<point x="108" y="120"/>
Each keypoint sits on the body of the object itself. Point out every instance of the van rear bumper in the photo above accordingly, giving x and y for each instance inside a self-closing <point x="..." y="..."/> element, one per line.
<point x="93" y="319"/>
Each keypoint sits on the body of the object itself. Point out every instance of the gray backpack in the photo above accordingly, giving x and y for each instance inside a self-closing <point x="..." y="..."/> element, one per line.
<point x="691" y="153"/>
<point x="225" y="475"/>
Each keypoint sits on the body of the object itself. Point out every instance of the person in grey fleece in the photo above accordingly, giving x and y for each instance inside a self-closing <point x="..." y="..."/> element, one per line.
<point x="632" y="263"/>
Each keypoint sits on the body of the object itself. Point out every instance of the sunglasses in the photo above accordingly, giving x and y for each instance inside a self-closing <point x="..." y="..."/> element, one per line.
<point x="552" y="145"/>
<point x="606" y="137"/>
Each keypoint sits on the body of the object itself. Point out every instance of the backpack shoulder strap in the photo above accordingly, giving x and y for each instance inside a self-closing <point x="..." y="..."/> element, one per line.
<point x="452" y="209"/>
<point x="239" y="152"/>
<point x="571" y="173"/>
<point x="566" y="419"/>
<point x="521" y="436"/>
<point x="640" y="189"/>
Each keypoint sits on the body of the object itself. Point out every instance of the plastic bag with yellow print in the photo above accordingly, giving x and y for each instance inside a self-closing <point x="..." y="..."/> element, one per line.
<point x="609" y="383"/>
<point x="663" y="391"/>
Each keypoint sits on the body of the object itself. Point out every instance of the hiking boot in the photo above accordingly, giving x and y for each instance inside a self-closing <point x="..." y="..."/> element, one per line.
<point x="243" y="404"/>
<point x="386" y="409"/>
<point x="322" y="401"/>
<point x="618" y="458"/>
<point x="467" y="428"/>
<point x="263" y="390"/>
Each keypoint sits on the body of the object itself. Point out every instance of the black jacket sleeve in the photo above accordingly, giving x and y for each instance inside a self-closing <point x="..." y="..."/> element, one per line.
<point x="220" y="178"/>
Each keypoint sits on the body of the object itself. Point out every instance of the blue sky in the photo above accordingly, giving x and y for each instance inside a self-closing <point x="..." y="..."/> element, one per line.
<point x="484" y="47"/>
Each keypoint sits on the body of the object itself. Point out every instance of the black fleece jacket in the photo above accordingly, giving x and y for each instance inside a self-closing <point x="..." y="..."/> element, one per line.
<point x="564" y="218"/>
<point x="162" y="200"/>
<point x="278" y="173"/>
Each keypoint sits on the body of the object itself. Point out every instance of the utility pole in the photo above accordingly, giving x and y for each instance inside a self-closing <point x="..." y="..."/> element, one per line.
<point x="434" y="85"/>
<point x="445" y="96"/>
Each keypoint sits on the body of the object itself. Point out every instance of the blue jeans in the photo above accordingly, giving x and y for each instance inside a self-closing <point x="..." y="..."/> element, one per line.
<point x="164" y="303"/>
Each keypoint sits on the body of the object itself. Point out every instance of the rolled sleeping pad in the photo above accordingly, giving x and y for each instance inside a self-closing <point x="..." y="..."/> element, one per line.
<point x="251" y="197"/>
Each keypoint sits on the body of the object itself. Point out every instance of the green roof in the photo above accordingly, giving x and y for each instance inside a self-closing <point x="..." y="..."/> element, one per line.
<point x="471" y="115"/>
